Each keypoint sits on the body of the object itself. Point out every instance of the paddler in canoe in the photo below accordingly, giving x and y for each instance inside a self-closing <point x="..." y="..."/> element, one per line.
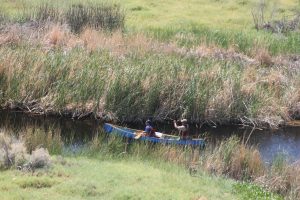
<point x="183" y="129"/>
<point x="149" y="131"/>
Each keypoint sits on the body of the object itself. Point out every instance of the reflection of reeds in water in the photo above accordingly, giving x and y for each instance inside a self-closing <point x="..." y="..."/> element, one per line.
<point x="38" y="138"/>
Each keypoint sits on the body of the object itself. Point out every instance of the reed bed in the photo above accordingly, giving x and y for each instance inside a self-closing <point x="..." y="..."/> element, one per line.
<point x="132" y="77"/>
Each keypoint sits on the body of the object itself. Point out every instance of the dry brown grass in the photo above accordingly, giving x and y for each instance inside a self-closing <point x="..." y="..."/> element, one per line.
<point x="56" y="36"/>
<point x="120" y="44"/>
<point x="249" y="81"/>
<point x="92" y="39"/>
<point x="235" y="160"/>
<point x="263" y="56"/>
<point x="284" y="180"/>
<point x="117" y="43"/>
<point x="12" y="36"/>
<point x="223" y="99"/>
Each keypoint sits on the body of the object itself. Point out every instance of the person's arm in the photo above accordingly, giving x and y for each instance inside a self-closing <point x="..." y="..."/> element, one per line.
<point x="175" y="124"/>
<point x="180" y="128"/>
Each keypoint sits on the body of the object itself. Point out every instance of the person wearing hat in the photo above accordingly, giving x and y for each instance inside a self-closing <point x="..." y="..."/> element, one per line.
<point x="149" y="130"/>
<point x="183" y="129"/>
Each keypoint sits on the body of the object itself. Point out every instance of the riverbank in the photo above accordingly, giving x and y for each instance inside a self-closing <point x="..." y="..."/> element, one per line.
<point x="122" y="177"/>
<point x="128" y="78"/>
<point x="95" y="178"/>
<point x="51" y="63"/>
<point x="229" y="159"/>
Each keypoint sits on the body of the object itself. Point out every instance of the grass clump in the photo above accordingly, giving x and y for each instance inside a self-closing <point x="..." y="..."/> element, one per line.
<point x="122" y="77"/>
<point x="78" y="16"/>
<point x="40" y="158"/>
<point x="13" y="153"/>
<point x="36" y="183"/>
<point x="248" y="191"/>
<point x="234" y="159"/>
<point x="109" y="17"/>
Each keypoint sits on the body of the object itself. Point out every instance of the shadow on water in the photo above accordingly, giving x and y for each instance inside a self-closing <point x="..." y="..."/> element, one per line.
<point x="270" y="143"/>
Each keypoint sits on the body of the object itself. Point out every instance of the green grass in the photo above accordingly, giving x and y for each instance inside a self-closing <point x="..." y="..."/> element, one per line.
<point x="250" y="191"/>
<point x="96" y="178"/>
<point x="100" y="169"/>
<point x="223" y="23"/>
<point x="87" y="178"/>
<point x="142" y="13"/>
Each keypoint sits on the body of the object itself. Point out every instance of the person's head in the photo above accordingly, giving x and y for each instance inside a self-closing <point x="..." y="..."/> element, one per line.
<point x="148" y="122"/>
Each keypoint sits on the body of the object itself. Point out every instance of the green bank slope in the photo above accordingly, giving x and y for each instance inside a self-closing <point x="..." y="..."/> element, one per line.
<point x="83" y="178"/>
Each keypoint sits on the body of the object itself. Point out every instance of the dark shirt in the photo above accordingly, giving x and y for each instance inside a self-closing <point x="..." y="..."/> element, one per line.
<point x="148" y="129"/>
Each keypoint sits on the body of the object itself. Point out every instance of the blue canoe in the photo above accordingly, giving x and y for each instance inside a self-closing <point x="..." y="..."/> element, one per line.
<point x="164" y="138"/>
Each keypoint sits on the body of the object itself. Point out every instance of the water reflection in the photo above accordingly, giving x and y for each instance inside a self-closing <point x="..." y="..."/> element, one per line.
<point x="76" y="131"/>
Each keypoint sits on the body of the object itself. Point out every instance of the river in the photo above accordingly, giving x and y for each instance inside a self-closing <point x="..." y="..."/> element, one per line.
<point x="269" y="142"/>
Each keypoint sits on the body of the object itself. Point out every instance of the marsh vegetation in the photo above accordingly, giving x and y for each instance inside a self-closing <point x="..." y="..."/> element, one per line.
<point x="127" y="61"/>
<point x="115" y="162"/>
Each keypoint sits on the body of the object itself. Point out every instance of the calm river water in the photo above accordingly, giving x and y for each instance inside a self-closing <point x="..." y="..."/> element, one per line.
<point x="269" y="142"/>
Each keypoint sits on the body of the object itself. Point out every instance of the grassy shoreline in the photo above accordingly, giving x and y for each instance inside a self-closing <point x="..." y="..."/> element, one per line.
<point x="98" y="170"/>
<point x="132" y="77"/>
<point x="165" y="166"/>
<point x="87" y="178"/>
<point x="53" y="63"/>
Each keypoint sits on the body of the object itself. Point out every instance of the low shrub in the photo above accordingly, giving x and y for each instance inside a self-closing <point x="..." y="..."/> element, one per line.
<point x="12" y="152"/>
<point x="249" y="191"/>
<point x="40" y="158"/>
